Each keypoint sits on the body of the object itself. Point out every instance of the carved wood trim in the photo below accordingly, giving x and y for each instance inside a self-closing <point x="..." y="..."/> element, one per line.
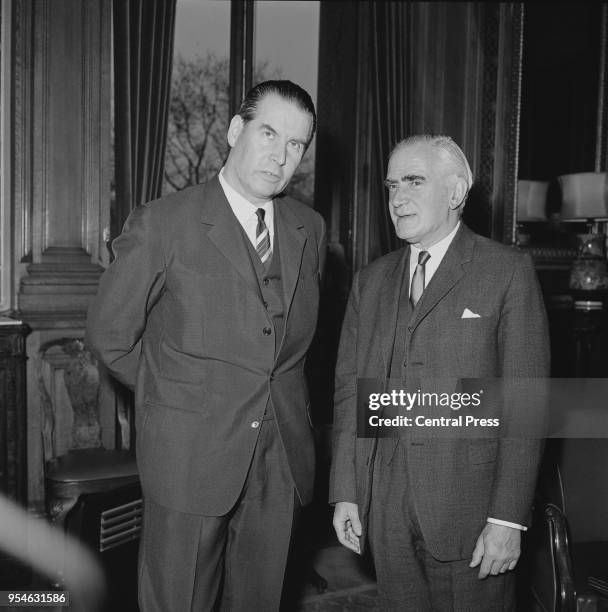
<point x="601" y="147"/>
<point x="22" y="127"/>
<point x="66" y="259"/>
<point x="13" y="408"/>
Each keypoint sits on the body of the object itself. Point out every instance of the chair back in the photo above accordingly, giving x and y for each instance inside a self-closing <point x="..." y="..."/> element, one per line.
<point x="69" y="384"/>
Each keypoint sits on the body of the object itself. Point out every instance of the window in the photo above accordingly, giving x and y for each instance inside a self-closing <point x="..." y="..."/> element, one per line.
<point x="285" y="46"/>
<point x="198" y="110"/>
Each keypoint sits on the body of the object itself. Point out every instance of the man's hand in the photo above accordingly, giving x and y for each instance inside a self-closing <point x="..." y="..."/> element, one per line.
<point x="348" y="525"/>
<point x="497" y="549"/>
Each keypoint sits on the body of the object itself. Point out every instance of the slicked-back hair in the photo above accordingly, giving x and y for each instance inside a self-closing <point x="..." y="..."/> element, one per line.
<point x="285" y="89"/>
<point x="450" y="153"/>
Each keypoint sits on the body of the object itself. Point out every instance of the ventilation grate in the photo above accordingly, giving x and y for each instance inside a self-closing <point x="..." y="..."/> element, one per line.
<point x="120" y="525"/>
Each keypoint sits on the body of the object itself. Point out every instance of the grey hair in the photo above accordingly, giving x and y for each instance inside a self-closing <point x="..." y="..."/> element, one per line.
<point x="451" y="154"/>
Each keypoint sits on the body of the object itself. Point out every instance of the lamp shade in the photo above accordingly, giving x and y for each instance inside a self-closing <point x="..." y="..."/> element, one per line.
<point x="531" y="200"/>
<point x="584" y="196"/>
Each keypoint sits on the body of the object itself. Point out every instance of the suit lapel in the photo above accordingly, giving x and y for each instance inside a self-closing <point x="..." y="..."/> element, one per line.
<point x="225" y="233"/>
<point x="447" y="275"/>
<point x="292" y="238"/>
<point x="389" y="306"/>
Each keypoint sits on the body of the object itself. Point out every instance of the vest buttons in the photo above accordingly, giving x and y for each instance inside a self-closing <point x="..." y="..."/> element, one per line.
<point x="267" y="331"/>
<point x="266" y="281"/>
<point x="255" y="424"/>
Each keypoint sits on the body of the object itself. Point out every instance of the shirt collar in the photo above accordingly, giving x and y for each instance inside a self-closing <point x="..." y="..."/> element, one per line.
<point x="438" y="250"/>
<point x="242" y="208"/>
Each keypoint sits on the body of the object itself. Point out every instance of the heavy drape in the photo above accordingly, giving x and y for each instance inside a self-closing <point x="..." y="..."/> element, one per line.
<point x="143" y="57"/>
<point x="391" y="95"/>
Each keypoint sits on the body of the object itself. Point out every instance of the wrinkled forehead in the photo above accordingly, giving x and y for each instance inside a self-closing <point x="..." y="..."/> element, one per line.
<point x="414" y="159"/>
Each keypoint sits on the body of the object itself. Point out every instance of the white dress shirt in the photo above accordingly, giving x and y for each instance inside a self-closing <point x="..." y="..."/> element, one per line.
<point x="245" y="211"/>
<point x="437" y="253"/>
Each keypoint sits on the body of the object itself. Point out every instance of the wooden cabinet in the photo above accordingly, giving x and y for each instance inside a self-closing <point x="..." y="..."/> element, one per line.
<point x="579" y="343"/>
<point x="13" y="433"/>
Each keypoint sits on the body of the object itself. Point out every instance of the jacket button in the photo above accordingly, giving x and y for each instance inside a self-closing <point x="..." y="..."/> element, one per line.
<point x="266" y="281"/>
<point x="265" y="304"/>
<point x="272" y="376"/>
<point x="255" y="424"/>
<point x="267" y="331"/>
<point x="405" y="363"/>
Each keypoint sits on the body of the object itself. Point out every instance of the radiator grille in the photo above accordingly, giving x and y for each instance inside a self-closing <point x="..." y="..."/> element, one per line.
<point x="120" y="525"/>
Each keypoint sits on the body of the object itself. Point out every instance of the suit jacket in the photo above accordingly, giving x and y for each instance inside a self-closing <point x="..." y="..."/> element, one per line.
<point x="456" y="483"/>
<point x="180" y="318"/>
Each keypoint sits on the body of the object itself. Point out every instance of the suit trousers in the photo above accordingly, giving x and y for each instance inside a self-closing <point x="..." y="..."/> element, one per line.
<point x="234" y="562"/>
<point x="409" y="577"/>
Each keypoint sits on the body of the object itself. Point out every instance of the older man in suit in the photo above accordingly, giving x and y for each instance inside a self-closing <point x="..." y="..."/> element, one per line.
<point x="207" y="313"/>
<point x="443" y="516"/>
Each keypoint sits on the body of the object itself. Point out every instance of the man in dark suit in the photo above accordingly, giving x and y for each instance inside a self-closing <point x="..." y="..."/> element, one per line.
<point x="443" y="515"/>
<point x="207" y="313"/>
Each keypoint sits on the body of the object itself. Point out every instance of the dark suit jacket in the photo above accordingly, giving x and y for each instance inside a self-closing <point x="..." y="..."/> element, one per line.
<point x="457" y="484"/>
<point x="179" y="317"/>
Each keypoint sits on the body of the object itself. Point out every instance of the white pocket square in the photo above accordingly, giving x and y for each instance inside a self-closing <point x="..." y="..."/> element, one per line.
<point x="469" y="314"/>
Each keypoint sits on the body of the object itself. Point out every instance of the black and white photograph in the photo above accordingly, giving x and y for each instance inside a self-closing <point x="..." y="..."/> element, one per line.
<point x="303" y="306"/>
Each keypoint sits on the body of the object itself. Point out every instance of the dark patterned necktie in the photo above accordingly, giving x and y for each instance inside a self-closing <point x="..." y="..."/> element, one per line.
<point x="262" y="237"/>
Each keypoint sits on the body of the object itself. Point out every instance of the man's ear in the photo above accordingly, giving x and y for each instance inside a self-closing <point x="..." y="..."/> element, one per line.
<point x="459" y="191"/>
<point x="235" y="128"/>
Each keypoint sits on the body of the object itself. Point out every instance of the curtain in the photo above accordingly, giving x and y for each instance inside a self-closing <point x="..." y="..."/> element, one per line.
<point x="390" y="91"/>
<point x="143" y="57"/>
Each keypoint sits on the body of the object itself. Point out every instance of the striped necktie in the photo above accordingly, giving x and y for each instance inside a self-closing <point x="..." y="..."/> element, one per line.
<point x="418" y="278"/>
<point x="262" y="237"/>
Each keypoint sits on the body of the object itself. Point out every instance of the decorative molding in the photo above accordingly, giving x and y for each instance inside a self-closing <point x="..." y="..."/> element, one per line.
<point x="514" y="49"/>
<point x="40" y="118"/>
<point x="62" y="196"/>
<point x="500" y="116"/>
<point x="6" y="264"/>
<point x="601" y="148"/>
<point x="13" y="459"/>
<point x="22" y="74"/>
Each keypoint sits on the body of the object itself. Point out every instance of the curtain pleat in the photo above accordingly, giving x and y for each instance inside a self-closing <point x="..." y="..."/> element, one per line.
<point x="143" y="58"/>
<point x="389" y="82"/>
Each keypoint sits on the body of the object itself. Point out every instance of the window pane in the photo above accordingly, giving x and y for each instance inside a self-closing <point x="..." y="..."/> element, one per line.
<point x="286" y="46"/>
<point x="198" y="111"/>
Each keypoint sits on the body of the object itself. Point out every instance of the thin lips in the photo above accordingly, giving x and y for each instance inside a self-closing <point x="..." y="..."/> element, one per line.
<point x="267" y="172"/>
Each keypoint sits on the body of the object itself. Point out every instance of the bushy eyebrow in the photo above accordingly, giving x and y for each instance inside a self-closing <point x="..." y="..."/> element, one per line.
<point x="406" y="178"/>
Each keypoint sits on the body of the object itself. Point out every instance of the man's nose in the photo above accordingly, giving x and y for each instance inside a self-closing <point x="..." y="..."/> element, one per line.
<point x="399" y="196"/>
<point x="279" y="154"/>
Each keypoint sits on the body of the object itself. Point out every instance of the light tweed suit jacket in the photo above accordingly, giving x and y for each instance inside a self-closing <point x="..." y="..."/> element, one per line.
<point x="456" y="483"/>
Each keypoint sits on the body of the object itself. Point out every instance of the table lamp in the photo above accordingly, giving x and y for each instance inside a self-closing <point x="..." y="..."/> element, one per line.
<point x="531" y="206"/>
<point x="585" y="198"/>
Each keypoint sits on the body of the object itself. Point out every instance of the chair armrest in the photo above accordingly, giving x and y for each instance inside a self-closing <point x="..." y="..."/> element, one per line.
<point x="565" y="593"/>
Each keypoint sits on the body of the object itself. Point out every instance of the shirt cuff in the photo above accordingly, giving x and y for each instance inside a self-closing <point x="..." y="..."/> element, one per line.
<point x="507" y="524"/>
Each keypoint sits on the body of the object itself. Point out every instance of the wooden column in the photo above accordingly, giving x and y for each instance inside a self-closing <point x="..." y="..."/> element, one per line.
<point x="61" y="180"/>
